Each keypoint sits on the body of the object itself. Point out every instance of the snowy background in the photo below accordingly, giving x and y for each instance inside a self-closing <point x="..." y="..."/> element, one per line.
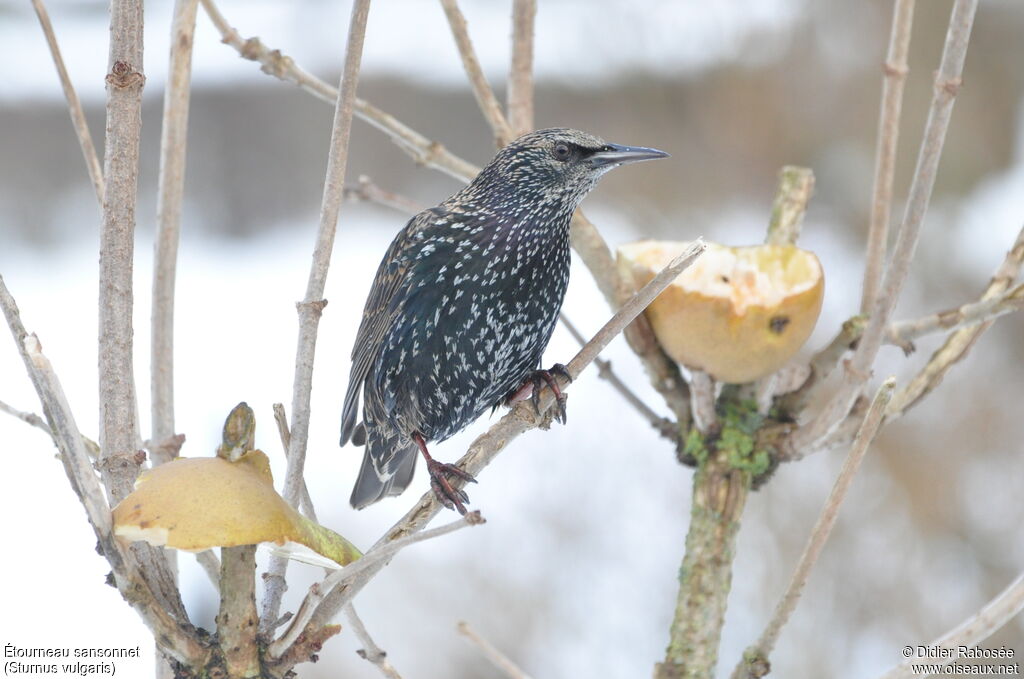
<point x="575" y="572"/>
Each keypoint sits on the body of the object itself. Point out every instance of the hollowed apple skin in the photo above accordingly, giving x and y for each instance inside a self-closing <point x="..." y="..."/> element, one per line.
<point x="738" y="313"/>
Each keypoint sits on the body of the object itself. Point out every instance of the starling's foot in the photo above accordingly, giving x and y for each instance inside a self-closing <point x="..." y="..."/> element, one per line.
<point x="535" y="381"/>
<point x="447" y="494"/>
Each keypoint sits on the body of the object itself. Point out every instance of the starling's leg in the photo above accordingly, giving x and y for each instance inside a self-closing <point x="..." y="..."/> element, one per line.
<point x="535" y="381"/>
<point x="448" y="495"/>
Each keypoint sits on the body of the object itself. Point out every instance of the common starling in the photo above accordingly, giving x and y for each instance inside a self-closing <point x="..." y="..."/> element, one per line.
<point x="463" y="305"/>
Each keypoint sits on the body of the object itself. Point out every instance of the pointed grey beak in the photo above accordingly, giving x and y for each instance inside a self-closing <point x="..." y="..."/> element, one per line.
<point x="614" y="154"/>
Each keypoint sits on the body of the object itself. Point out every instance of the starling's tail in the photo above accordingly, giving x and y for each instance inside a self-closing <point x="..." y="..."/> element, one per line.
<point x="369" y="486"/>
<point x="350" y="411"/>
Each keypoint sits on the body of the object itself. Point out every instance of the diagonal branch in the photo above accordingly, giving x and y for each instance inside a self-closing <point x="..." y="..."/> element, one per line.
<point x="497" y="658"/>
<point x="523" y="417"/>
<point x="481" y="89"/>
<point x="371" y="562"/>
<point x="176" y="638"/>
<point x="370" y="651"/>
<point x="423" y="150"/>
<point x="92" y="161"/>
<point x="960" y="342"/>
<point x="895" y="69"/>
<point x="663" y="425"/>
<point x="972" y="631"/>
<point x="27" y="418"/>
<point x="903" y="333"/>
<point x="313" y="303"/>
<point x="755" y="659"/>
<point x="947" y="83"/>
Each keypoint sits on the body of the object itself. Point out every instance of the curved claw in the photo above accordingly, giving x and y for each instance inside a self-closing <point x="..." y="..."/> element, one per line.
<point x="447" y="494"/>
<point x="547" y="377"/>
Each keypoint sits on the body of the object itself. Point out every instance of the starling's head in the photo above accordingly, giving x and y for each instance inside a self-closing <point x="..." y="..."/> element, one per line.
<point x="557" y="165"/>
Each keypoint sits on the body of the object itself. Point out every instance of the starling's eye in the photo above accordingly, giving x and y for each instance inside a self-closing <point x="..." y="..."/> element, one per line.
<point x="562" y="152"/>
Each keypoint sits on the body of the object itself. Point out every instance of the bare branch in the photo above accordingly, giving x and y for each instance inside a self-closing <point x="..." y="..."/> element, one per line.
<point x="27" y="418"/>
<point x="369" y="563"/>
<point x="370" y="650"/>
<point x="895" y="70"/>
<point x="481" y="89"/>
<point x="175" y="635"/>
<point x="497" y="658"/>
<point x="972" y="631"/>
<point x="313" y="303"/>
<point x="663" y="425"/>
<point x="118" y="430"/>
<point x="661" y="370"/>
<point x="484" y="449"/>
<point x="423" y="150"/>
<point x="305" y="501"/>
<point x="520" y="77"/>
<point x="755" y="658"/>
<point x="210" y="564"/>
<point x="795" y="187"/>
<point x="903" y="333"/>
<point x="960" y="342"/>
<point x="823" y="363"/>
<point x="170" y="195"/>
<point x="369" y="192"/>
<point x="237" y="619"/>
<point x="947" y="82"/>
<point x="702" y="399"/>
<point x="92" y="161"/>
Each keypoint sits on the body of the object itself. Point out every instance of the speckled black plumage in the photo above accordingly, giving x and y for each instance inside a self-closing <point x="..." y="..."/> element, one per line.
<point x="465" y="301"/>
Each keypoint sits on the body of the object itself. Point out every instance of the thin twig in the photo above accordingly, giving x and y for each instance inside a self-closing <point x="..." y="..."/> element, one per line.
<point x="895" y="69"/>
<point x="796" y="184"/>
<point x="313" y="303"/>
<point x="663" y="425"/>
<point x="947" y="82"/>
<point x="823" y="363"/>
<point x="92" y="161"/>
<point x="210" y="564"/>
<point x="170" y="195"/>
<point x="370" y="650"/>
<point x="970" y="632"/>
<point x="960" y="342"/>
<point x="366" y="190"/>
<point x="175" y="636"/>
<point x="617" y="286"/>
<point x="523" y="417"/>
<point x="520" y="76"/>
<point x="485" y="98"/>
<point x="702" y="400"/>
<point x="497" y="658"/>
<point x="423" y="150"/>
<point x="756" y="657"/>
<point x="373" y="560"/>
<point x="305" y="501"/>
<point x="903" y="333"/>
<point x="26" y="417"/>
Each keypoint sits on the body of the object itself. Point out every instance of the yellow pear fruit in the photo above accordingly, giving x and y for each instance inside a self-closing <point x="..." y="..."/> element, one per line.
<point x="738" y="313"/>
<point x="194" y="504"/>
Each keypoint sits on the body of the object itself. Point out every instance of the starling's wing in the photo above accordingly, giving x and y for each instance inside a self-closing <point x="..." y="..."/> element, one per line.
<point x="391" y="275"/>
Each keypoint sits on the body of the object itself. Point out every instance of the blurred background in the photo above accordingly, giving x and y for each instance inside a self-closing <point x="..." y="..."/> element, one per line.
<point x="575" y="572"/>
